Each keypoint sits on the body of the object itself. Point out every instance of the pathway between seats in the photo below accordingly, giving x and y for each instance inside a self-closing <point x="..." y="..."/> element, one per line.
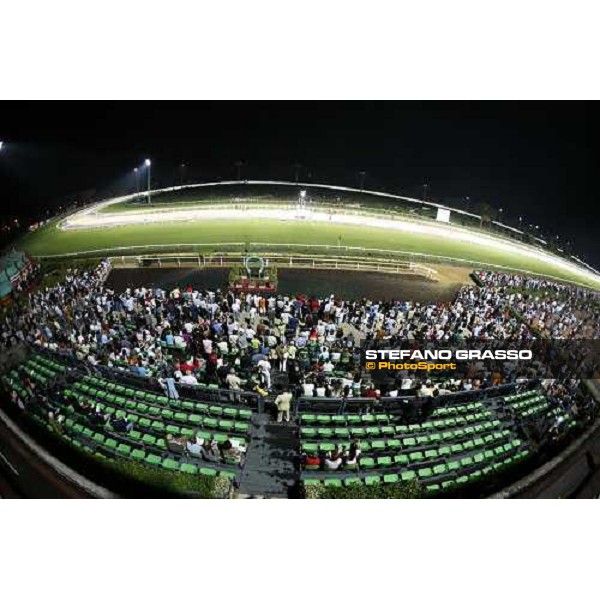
<point x="269" y="470"/>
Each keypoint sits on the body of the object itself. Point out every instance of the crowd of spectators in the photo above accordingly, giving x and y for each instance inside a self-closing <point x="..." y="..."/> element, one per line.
<point x="240" y="341"/>
<point x="556" y="310"/>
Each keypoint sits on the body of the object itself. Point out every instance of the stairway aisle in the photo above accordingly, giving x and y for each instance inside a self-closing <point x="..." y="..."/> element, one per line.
<point x="269" y="470"/>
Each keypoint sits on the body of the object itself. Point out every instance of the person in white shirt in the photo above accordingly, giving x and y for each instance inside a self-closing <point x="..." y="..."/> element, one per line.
<point x="188" y="379"/>
<point x="307" y="389"/>
<point x="264" y="367"/>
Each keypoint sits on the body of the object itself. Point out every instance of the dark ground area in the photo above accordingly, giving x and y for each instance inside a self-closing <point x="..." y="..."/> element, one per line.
<point x="344" y="284"/>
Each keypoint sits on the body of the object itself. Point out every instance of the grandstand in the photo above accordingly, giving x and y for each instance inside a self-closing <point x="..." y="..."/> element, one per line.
<point x="185" y="384"/>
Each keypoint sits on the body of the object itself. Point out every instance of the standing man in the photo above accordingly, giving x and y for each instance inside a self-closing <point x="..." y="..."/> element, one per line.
<point x="283" y="402"/>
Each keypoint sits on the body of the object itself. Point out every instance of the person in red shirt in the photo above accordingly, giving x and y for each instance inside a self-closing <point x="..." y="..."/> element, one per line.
<point x="312" y="462"/>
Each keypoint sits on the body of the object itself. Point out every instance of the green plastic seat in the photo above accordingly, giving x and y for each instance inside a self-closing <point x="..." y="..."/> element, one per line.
<point x="333" y="482"/>
<point x="225" y="424"/>
<point x="372" y="479"/>
<point x="358" y="432"/>
<point x="350" y="481"/>
<point x="467" y="461"/>
<point x="189" y="469"/>
<point x="391" y="478"/>
<point x="170" y="464"/>
<point x="408" y="475"/>
<point x="241" y="427"/>
<point x="439" y="469"/>
<point x="153" y="459"/>
<point x="401" y="459"/>
<point x="124" y="449"/>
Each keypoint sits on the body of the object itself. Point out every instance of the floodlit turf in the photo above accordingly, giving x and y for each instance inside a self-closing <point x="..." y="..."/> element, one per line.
<point x="49" y="240"/>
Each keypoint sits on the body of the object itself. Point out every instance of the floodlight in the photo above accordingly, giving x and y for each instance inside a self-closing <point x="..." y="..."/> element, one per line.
<point x="1" y="144"/>
<point x="147" y="162"/>
<point x="303" y="194"/>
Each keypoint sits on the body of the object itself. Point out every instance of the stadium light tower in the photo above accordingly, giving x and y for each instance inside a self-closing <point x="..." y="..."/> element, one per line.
<point x="137" y="181"/>
<point x="302" y="200"/>
<point x="239" y="164"/>
<point x="148" y="163"/>
<point x="362" y="180"/>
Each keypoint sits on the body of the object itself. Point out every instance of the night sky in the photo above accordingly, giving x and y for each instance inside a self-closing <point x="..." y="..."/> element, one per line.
<point x="534" y="160"/>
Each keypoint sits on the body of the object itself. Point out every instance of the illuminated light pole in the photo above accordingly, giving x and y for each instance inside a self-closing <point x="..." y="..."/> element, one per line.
<point x="425" y="187"/>
<point x="148" y="163"/>
<point x="362" y="180"/>
<point x="181" y="174"/>
<point x="302" y="200"/>
<point x="239" y="164"/>
<point x="296" y="171"/>
<point x="137" y="182"/>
